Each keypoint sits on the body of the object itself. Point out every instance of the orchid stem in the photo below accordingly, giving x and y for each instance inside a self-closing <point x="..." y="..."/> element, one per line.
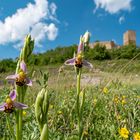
<point x="22" y="91"/>
<point x="20" y="119"/>
<point x="45" y="132"/>
<point x="17" y="125"/>
<point x="17" y="113"/>
<point x="78" y="104"/>
<point x="10" y="128"/>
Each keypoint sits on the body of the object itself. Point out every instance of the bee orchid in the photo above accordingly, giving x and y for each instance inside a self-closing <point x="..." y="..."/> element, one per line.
<point x="21" y="78"/>
<point x="10" y="103"/>
<point x="78" y="60"/>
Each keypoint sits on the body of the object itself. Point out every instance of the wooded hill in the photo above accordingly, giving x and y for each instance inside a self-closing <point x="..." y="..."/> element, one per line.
<point x="60" y="54"/>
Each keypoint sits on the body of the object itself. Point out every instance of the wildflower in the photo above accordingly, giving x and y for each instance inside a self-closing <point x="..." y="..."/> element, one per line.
<point x="78" y="60"/>
<point x="124" y="132"/>
<point x="116" y="99"/>
<point x="136" y="136"/>
<point x="10" y="103"/>
<point x="123" y="97"/>
<point x="24" y="113"/>
<point x="105" y="90"/>
<point x="123" y="101"/>
<point x="21" y="78"/>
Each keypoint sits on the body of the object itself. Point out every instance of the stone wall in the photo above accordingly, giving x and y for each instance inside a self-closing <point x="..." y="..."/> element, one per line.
<point x="107" y="44"/>
<point x="129" y="37"/>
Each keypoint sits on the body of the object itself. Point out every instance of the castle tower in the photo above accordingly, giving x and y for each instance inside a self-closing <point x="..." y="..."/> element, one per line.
<point x="129" y="37"/>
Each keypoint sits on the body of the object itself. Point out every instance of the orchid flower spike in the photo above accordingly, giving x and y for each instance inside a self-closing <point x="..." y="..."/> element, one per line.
<point x="86" y="38"/>
<point x="78" y="60"/>
<point x="21" y="78"/>
<point x="10" y="103"/>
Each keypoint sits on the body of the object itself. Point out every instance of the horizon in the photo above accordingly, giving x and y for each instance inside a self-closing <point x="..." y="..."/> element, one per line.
<point x="60" y="23"/>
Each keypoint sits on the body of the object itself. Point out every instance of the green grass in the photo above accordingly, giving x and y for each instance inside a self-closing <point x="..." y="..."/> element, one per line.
<point x="104" y="113"/>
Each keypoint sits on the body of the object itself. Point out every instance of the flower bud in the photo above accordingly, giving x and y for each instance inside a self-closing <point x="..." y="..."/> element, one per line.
<point x="27" y="49"/>
<point x="45" y="105"/>
<point x="38" y="105"/>
<point x="86" y="38"/>
<point x="41" y="107"/>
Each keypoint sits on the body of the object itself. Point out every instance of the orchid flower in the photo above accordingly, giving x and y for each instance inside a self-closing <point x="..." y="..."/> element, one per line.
<point x="10" y="103"/>
<point x="21" y="78"/>
<point x="78" y="60"/>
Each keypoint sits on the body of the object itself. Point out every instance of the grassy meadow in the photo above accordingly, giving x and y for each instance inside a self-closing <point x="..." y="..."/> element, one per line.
<point x="112" y="102"/>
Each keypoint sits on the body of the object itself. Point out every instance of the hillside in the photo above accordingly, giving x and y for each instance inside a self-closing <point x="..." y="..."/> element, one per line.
<point x="60" y="54"/>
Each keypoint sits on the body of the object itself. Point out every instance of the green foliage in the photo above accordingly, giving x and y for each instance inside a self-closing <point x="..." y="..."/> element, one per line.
<point x="7" y="65"/>
<point x="125" y="52"/>
<point x="99" y="53"/>
<point x="102" y="114"/>
<point x="60" y="54"/>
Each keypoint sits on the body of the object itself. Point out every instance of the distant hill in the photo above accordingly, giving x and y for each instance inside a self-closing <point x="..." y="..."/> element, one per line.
<point x="60" y="54"/>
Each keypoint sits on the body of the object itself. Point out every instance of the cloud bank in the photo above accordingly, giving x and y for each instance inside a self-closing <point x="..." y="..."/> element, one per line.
<point x="31" y="19"/>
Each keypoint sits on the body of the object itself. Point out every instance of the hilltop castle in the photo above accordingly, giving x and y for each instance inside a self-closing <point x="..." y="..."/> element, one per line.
<point x="129" y="37"/>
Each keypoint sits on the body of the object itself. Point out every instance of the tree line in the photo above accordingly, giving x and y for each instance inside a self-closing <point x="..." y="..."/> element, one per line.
<point x="60" y="54"/>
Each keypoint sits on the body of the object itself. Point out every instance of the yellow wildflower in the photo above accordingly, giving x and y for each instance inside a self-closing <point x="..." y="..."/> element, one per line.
<point x="123" y="97"/>
<point x="136" y="136"/>
<point x="116" y="99"/>
<point x="124" y="132"/>
<point x="105" y="90"/>
<point x="123" y="101"/>
<point x="24" y="113"/>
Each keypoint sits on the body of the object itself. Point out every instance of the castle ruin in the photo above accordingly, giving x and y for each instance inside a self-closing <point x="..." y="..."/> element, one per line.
<point x="129" y="37"/>
<point x="107" y="44"/>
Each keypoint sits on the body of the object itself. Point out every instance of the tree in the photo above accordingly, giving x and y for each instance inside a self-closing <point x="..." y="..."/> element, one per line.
<point x="100" y="53"/>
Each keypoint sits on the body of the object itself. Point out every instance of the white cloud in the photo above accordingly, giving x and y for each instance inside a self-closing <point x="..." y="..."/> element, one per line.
<point x="52" y="11"/>
<point x="30" y="20"/>
<point x="53" y="8"/>
<point x="113" y="6"/>
<point x="121" y="19"/>
<point x="41" y="30"/>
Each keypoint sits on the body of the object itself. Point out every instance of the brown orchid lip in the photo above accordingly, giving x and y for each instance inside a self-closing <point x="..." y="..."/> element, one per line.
<point x="78" y="64"/>
<point x="9" y="108"/>
<point x="21" y="80"/>
<point x="20" y="83"/>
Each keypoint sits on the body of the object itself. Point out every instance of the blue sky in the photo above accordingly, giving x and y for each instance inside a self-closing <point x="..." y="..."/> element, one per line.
<point x="61" y="22"/>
